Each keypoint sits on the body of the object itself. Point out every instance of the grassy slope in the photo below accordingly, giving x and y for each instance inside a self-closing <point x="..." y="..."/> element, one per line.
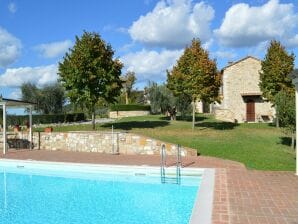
<point x="258" y="146"/>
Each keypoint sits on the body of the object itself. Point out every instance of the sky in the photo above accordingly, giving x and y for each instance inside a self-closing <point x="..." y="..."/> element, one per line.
<point x="148" y="36"/>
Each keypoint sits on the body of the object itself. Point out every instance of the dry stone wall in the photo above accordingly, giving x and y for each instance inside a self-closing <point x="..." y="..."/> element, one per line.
<point x="121" y="114"/>
<point x="105" y="142"/>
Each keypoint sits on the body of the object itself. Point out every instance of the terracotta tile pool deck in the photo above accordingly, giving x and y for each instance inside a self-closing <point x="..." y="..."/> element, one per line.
<point x="240" y="196"/>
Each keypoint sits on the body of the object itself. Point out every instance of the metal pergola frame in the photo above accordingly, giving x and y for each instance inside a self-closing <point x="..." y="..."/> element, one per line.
<point x="10" y="103"/>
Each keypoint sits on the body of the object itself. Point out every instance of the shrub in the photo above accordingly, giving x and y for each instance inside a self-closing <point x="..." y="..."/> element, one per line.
<point x="45" y="118"/>
<point x="129" y="107"/>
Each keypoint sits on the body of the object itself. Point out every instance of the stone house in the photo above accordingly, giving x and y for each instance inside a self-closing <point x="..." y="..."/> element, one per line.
<point x="241" y="97"/>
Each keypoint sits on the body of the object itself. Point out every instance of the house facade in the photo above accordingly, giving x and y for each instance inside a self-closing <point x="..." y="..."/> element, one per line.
<point x="241" y="97"/>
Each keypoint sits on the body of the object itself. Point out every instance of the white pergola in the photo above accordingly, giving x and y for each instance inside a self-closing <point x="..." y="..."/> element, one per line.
<point x="10" y="103"/>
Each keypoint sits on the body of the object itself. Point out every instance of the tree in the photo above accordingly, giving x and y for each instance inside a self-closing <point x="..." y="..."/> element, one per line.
<point x="274" y="76"/>
<point x="89" y="73"/>
<point x="183" y="104"/>
<point x="286" y="110"/>
<point x="162" y="100"/>
<point x="31" y="93"/>
<point x="53" y="98"/>
<point x="128" y="81"/>
<point x="195" y="75"/>
<point x="49" y="99"/>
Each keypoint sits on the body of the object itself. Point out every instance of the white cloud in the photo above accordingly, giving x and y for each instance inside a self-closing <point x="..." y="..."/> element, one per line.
<point x="293" y="41"/>
<point x="12" y="7"/>
<point x="54" y="49"/>
<point x="15" y="77"/>
<point x="151" y="65"/>
<point x="15" y="94"/>
<point x="229" y="55"/>
<point x="245" y="26"/>
<point x="208" y="44"/>
<point x="10" y="48"/>
<point x="173" y="24"/>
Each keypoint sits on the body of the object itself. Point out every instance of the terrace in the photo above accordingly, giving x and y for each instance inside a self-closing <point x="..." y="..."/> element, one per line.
<point x="240" y="196"/>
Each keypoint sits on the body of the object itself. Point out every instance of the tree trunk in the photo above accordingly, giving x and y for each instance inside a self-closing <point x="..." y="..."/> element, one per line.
<point x="277" y="118"/>
<point x="126" y="97"/>
<point x="172" y="112"/>
<point x="93" y="119"/>
<point x="277" y="122"/>
<point x="193" y="114"/>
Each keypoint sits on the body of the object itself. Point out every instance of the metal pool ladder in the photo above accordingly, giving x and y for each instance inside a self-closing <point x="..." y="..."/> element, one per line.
<point x="163" y="165"/>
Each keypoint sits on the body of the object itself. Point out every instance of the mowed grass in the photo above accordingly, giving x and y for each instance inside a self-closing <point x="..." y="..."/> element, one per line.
<point x="259" y="146"/>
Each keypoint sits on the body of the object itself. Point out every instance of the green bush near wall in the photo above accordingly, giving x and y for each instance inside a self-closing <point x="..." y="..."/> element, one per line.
<point x="45" y="118"/>
<point x="130" y="107"/>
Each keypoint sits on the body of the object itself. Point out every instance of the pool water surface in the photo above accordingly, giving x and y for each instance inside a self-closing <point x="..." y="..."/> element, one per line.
<point x="37" y="196"/>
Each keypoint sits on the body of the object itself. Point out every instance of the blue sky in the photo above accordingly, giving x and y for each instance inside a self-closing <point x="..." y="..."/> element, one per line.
<point x="147" y="35"/>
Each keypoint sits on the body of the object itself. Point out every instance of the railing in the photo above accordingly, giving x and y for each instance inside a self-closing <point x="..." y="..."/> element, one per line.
<point x="163" y="165"/>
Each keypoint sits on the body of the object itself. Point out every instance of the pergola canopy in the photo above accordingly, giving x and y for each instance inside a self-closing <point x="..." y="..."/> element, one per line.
<point x="15" y="103"/>
<point x="11" y="103"/>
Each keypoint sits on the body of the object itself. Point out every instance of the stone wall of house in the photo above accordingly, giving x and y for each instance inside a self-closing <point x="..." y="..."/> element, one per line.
<point x="121" y="114"/>
<point x="199" y="106"/>
<point x="239" y="78"/>
<point x="103" y="142"/>
<point x="264" y="111"/>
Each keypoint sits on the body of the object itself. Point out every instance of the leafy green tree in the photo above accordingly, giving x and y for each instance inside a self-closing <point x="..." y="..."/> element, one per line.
<point x="138" y="97"/>
<point x="195" y="75"/>
<point x="162" y="100"/>
<point x="31" y="93"/>
<point x="286" y="110"/>
<point x="274" y="76"/>
<point x="128" y="81"/>
<point x="49" y="99"/>
<point x="183" y="104"/>
<point x="53" y="98"/>
<point x="89" y="72"/>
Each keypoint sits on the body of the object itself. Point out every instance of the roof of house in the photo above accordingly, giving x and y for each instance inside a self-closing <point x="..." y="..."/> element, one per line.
<point x="243" y="59"/>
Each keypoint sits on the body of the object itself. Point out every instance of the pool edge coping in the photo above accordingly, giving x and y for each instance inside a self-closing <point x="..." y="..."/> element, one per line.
<point x="93" y="166"/>
<point x="203" y="206"/>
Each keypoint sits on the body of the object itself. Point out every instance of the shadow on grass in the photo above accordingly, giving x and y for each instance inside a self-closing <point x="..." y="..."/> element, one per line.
<point x="185" y="118"/>
<point x="285" y="141"/>
<point x="136" y="124"/>
<point x="217" y="125"/>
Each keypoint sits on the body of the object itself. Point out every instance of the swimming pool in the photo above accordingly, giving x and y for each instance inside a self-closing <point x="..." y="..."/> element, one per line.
<point x="34" y="192"/>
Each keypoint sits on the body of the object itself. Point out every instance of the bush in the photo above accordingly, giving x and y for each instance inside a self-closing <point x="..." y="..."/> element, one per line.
<point x="129" y="107"/>
<point x="45" y="118"/>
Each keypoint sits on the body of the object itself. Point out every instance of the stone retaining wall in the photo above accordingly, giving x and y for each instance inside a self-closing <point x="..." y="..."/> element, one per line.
<point x="104" y="142"/>
<point x="224" y="115"/>
<point x="120" y="114"/>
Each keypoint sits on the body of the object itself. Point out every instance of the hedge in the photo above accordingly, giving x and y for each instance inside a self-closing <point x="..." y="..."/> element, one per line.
<point x="130" y="107"/>
<point x="45" y="118"/>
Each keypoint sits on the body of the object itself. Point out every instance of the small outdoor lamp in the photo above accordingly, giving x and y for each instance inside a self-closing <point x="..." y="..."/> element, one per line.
<point x="294" y="76"/>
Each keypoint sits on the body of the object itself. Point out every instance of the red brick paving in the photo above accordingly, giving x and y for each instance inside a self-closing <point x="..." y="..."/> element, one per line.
<point x="241" y="196"/>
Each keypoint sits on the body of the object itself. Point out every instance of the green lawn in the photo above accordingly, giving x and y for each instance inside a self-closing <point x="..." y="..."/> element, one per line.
<point x="258" y="146"/>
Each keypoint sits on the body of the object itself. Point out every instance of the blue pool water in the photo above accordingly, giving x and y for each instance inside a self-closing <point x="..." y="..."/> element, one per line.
<point x="31" y="197"/>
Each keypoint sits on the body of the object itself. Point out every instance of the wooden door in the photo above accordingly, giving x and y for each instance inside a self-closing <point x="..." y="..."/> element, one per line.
<point x="250" y="111"/>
